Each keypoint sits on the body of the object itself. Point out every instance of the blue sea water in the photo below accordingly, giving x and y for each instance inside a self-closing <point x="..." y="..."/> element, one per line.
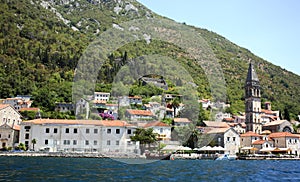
<point x="95" y="169"/>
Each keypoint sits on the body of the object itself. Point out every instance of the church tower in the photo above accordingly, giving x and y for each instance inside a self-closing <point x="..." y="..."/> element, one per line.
<point x="252" y="101"/>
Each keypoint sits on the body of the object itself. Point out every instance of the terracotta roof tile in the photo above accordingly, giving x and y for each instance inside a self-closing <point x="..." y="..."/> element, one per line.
<point x="156" y="123"/>
<point x="216" y="124"/>
<point x="30" y="109"/>
<point x="182" y="120"/>
<point x="282" y="134"/>
<point x="111" y="123"/>
<point x="2" y="106"/>
<point x="250" y="134"/>
<point x="258" y="142"/>
<point x="140" y="112"/>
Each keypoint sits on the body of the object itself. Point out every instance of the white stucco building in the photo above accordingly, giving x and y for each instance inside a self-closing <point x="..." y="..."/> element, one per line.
<point x="111" y="137"/>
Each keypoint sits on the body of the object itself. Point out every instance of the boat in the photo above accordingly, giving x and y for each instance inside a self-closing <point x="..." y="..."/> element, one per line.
<point x="158" y="156"/>
<point x="226" y="157"/>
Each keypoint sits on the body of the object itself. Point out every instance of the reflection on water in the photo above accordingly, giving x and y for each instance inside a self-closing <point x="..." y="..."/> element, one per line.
<point x="95" y="169"/>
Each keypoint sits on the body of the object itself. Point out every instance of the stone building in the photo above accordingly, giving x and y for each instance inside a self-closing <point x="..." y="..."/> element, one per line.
<point x="252" y="101"/>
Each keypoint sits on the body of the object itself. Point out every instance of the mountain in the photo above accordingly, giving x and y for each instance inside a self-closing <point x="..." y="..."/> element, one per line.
<point x="42" y="41"/>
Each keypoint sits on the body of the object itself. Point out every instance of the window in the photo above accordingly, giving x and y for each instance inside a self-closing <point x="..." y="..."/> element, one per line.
<point x="74" y="142"/>
<point x="87" y="130"/>
<point x="95" y="131"/>
<point x="8" y="135"/>
<point x="46" y="142"/>
<point x="66" y="142"/>
<point x="233" y="138"/>
<point x="228" y="139"/>
<point x="117" y="142"/>
<point x="108" y="130"/>
<point x="75" y="130"/>
<point x="27" y="136"/>
<point x="47" y="130"/>
<point x="86" y="142"/>
<point x="161" y="130"/>
<point x="117" y="131"/>
<point x="108" y="142"/>
<point x="95" y="142"/>
<point x="27" y="128"/>
<point x="55" y="130"/>
<point x="67" y="130"/>
<point x="129" y="131"/>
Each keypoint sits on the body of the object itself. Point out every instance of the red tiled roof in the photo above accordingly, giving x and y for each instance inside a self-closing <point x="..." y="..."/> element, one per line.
<point x="258" y="142"/>
<point x="267" y="111"/>
<point x="228" y="119"/>
<point x="182" y="120"/>
<point x="30" y="109"/>
<point x="2" y="106"/>
<point x="16" y="127"/>
<point x="216" y="124"/>
<point x="140" y="112"/>
<point x="282" y="134"/>
<point x="156" y="123"/>
<point x="249" y="134"/>
<point x="116" y="123"/>
<point x="134" y="97"/>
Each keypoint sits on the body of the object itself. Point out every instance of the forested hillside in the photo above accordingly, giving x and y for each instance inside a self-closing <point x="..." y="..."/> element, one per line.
<point x="42" y="41"/>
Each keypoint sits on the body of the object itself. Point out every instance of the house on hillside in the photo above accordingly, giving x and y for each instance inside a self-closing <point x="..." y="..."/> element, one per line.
<point x="139" y="115"/>
<point x="181" y="121"/>
<point x="162" y="129"/>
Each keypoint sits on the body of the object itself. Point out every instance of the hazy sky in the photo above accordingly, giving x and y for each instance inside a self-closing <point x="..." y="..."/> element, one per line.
<point x="268" y="28"/>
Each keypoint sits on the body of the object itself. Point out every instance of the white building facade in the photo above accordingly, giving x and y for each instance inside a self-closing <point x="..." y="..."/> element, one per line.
<point x="112" y="137"/>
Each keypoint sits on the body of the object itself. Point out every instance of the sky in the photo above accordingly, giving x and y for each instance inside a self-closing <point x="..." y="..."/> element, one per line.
<point x="268" y="28"/>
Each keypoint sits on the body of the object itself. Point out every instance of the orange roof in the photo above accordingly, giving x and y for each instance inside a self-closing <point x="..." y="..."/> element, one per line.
<point x="182" y="120"/>
<point x="228" y="119"/>
<point x="2" y="106"/>
<point x="140" y="112"/>
<point x="258" y="142"/>
<point x="282" y="134"/>
<point x="16" y="127"/>
<point x="30" y="109"/>
<point x="134" y="97"/>
<point x="250" y="134"/>
<point x="116" y="123"/>
<point x="156" y="123"/>
<point x="216" y="124"/>
<point x="267" y="111"/>
<point x="99" y="101"/>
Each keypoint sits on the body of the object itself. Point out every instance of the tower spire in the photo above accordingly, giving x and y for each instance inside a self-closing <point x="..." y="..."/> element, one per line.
<point x="252" y="101"/>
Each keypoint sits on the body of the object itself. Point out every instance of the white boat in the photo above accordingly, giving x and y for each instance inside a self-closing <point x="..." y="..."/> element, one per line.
<point x="226" y="157"/>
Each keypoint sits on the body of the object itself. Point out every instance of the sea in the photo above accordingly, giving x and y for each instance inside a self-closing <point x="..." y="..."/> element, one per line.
<point x="105" y="169"/>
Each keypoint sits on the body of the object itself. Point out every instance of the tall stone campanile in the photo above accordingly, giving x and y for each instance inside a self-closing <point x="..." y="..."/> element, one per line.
<point x="252" y="101"/>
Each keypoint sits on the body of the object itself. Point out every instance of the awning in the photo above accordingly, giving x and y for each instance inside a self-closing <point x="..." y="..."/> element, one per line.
<point x="249" y="148"/>
<point x="266" y="149"/>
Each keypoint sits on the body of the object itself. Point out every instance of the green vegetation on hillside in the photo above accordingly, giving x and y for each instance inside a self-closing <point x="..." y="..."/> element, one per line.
<point x="39" y="54"/>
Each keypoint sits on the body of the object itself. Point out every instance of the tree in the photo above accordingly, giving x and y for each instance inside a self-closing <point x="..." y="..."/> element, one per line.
<point x="144" y="136"/>
<point x="22" y="146"/>
<point x="175" y="103"/>
<point x="33" y="141"/>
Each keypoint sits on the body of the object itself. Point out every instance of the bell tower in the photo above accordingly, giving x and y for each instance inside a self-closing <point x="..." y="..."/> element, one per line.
<point x="252" y="101"/>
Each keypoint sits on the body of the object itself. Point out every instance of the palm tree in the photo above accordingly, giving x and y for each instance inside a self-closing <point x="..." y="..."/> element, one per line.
<point x="175" y="103"/>
<point x="33" y="141"/>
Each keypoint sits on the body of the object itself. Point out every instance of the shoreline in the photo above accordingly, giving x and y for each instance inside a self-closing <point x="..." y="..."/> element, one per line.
<point x="123" y="156"/>
<point x="70" y="155"/>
